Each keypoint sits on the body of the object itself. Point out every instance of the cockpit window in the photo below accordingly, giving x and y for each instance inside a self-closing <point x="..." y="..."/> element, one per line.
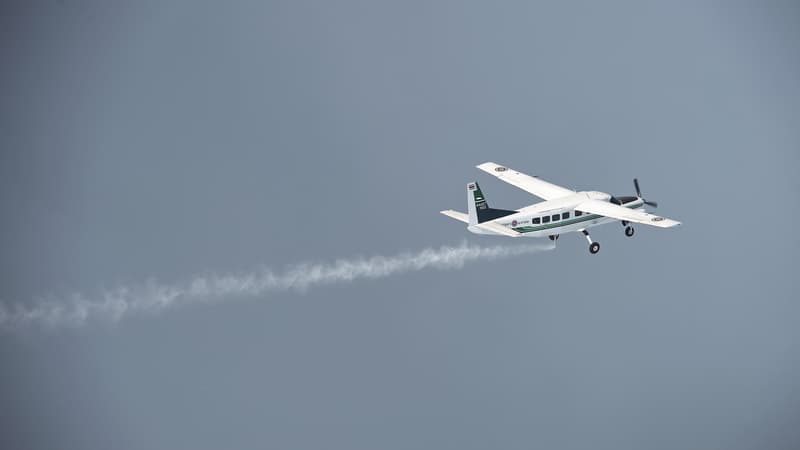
<point x="578" y="213"/>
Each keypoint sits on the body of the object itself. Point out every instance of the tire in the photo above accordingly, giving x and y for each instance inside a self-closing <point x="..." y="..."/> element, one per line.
<point x="629" y="231"/>
<point x="594" y="247"/>
<point x="553" y="237"/>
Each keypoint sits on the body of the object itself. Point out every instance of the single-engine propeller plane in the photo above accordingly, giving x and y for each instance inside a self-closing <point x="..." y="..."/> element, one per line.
<point x="562" y="211"/>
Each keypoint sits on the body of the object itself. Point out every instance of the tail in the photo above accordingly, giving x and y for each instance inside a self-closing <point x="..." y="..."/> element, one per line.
<point x="478" y="208"/>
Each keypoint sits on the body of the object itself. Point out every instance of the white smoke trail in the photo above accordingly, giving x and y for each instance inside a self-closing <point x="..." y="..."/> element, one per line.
<point x="152" y="297"/>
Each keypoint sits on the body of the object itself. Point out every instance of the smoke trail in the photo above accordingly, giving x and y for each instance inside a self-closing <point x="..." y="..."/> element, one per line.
<point x="152" y="297"/>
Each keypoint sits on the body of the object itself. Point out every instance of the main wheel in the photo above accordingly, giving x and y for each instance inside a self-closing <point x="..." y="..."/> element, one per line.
<point x="594" y="247"/>
<point x="629" y="231"/>
<point x="553" y="237"/>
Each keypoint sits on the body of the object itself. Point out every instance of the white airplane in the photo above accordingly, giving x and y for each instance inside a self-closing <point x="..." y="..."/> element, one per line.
<point x="563" y="210"/>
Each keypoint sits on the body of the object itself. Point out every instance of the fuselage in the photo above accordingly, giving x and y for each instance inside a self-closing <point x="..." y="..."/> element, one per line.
<point x="557" y="216"/>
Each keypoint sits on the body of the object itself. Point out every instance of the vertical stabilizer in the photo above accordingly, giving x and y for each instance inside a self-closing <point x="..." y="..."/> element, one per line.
<point x="474" y="199"/>
<point x="478" y="208"/>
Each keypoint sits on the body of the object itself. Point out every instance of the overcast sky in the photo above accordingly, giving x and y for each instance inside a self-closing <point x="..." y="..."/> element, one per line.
<point x="159" y="140"/>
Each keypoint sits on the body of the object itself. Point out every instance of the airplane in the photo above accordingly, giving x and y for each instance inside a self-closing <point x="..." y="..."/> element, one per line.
<point x="562" y="211"/>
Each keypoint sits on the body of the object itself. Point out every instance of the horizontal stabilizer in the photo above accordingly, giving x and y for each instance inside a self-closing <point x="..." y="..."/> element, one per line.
<point x="456" y="215"/>
<point x="496" y="228"/>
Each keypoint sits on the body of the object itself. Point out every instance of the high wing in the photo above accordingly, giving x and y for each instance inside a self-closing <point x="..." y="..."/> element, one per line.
<point x="622" y="213"/>
<point x="535" y="186"/>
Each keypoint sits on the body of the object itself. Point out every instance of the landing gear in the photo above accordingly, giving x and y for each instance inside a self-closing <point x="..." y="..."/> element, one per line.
<point x="628" y="228"/>
<point x="553" y="237"/>
<point x="594" y="247"/>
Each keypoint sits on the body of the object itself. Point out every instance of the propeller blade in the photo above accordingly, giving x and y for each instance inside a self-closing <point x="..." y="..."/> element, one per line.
<point x="636" y="183"/>
<point x="649" y="203"/>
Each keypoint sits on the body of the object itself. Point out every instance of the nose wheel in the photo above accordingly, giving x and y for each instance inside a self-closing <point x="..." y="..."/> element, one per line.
<point x="594" y="247"/>
<point x="629" y="231"/>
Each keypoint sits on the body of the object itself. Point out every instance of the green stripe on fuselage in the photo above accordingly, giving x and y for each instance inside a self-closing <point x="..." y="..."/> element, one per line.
<point x="563" y="223"/>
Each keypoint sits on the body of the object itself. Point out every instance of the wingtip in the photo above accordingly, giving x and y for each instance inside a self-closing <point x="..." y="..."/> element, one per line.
<point x="491" y="167"/>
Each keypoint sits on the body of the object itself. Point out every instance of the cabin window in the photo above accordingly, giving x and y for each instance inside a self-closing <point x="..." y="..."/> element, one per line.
<point x="545" y="219"/>
<point x="578" y="213"/>
<point x="565" y="216"/>
<point x="536" y="220"/>
<point x="556" y="217"/>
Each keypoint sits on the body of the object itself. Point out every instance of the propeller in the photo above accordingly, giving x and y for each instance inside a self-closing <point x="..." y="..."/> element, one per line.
<point x="639" y="194"/>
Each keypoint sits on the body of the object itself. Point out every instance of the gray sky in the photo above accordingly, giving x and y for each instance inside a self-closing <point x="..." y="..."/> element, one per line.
<point x="165" y="139"/>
